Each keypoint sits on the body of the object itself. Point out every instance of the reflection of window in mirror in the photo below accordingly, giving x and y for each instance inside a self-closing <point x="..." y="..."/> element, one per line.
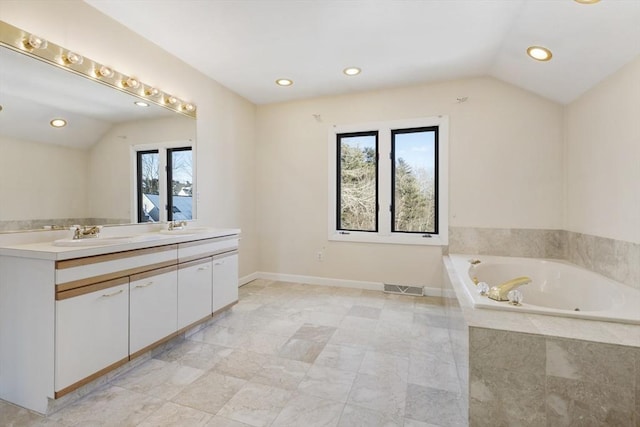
<point x="164" y="184"/>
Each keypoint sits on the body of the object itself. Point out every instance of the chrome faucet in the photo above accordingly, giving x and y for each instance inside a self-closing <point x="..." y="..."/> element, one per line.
<point x="499" y="292"/>
<point x="177" y="225"/>
<point x="80" y="232"/>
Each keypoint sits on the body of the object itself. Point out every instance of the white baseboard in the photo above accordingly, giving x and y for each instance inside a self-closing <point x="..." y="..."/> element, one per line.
<point x="324" y="281"/>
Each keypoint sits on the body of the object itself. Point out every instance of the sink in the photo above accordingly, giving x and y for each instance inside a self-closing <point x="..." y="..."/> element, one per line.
<point x="95" y="241"/>
<point x="186" y="231"/>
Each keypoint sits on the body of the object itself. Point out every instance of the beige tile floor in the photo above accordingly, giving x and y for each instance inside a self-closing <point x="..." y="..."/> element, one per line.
<point x="288" y="355"/>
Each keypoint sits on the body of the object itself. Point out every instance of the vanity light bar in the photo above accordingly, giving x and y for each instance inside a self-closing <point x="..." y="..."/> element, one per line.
<point x="33" y="45"/>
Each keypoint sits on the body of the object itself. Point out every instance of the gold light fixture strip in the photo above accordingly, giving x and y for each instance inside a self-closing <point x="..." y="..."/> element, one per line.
<point x="33" y="45"/>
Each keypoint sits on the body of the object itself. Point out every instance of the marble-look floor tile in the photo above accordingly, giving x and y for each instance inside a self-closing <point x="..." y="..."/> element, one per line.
<point x="385" y="394"/>
<point x="359" y="323"/>
<point x="327" y="383"/>
<point x="353" y="338"/>
<point x="317" y="333"/>
<point x="309" y="411"/>
<point x="281" y="373"/>
<point x="263" y="343"/>
<point x="218" y="421"/>
<point x="385" y="365"/>
<point x="341" y="357"/>
<point x="429" y="370"/>
<point x="210" y="392"/>
<point x="113" y="406"/>
<point x="158" y="378"/>
<point x="14" y="416"/>
<point x="413" y="423"/>
<point x="356" y="416"/>
<point x="256" y="404"/>
<point x="241" y="364"/>
<point x="365" y="311"/>
<point x="434" y="406"/>
<point x="301" y="350"/>
<point x="199" y="355"/>
<point x="172" y="415"/>
<point x="221" y="335"/>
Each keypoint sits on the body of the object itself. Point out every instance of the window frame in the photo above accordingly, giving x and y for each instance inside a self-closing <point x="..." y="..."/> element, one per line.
<point x="338" y="211"/>
<point x="385" y="181"/>
<point x="164" y="151"/>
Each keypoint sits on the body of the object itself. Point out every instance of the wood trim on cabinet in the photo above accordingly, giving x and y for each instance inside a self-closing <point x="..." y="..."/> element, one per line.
<point x="218" y="254"/>
<point x="75" y="292"/>
<point x="58" y="394"/>
<point x="206" y="241"/>
<point x="154" y="272"/>
<point x="61" y="287"/>
<point x="193" y="263"/>
<point x="154" y="345"/>
<point x="77" y="262"/>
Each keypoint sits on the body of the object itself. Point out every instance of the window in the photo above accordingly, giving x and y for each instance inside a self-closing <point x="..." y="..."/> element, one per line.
<point x="388" y="182"/>
<point x="164" y="184"/>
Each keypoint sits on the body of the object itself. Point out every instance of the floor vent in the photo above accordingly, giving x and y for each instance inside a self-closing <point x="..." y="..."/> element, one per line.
<point x="403" y="290"/>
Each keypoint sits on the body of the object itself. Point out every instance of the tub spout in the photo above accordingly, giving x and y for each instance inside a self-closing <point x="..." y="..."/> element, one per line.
<point x="499" y="293"/>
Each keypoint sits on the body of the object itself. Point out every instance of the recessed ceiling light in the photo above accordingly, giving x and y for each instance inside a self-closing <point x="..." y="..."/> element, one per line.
<point x="141" y="104"/>
<point x="284" y="82"/>
<point x="58" y="123"/>
<point x="587" y="1"/>
<point x="352" y="71"/>
<point x="539" y="53"/>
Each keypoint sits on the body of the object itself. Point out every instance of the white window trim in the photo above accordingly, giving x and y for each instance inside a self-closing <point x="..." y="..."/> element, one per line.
<point x="384" y="234"/>
<point x="162" y="185"/>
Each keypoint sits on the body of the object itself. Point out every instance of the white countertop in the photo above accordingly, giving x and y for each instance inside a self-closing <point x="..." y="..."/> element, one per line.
<point x="47" y="250"/>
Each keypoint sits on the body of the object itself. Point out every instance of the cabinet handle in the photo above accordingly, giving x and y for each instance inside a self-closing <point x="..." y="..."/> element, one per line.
<point x="145" y="285"/>
<point x="113" y="294"/>
<point x="203" y="268"/>
<point x="218" y="263"/>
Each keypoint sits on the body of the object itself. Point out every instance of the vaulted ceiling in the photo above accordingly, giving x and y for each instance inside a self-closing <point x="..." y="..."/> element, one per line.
<point x="247" y="44"/>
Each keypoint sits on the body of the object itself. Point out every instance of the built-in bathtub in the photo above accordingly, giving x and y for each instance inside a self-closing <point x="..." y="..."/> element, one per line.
<point x="557" y="288"/>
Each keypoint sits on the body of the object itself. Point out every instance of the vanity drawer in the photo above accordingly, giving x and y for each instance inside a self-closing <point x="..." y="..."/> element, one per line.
<point x="78" y="272"/>
<point x="207" y="247"/>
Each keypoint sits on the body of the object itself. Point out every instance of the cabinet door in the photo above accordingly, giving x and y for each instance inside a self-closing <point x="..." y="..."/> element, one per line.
<point x="194" y="291"/>
<point x="153" y="311"/>
<point x="91" y="331"/>
<point x="225" y="281"/>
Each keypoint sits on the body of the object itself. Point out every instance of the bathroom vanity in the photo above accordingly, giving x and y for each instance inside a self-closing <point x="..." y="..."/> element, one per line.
<point x="71" y="314"/>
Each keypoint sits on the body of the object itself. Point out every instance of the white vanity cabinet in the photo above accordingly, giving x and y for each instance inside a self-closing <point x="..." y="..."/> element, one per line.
<point x="70" y="315"/>
<point x="153" y="307"/>
<point x="91" y="331"/>
<point x="225" y="280"/>
<point x="194" y="291"/>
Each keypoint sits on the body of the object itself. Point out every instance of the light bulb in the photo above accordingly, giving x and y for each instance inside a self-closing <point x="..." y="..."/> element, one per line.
<point x="73" y="58"/>
<point x="189" y="107"/>
<point x="132" y="83"/>
<point x="172" y="100"/>
<point x="152" y="91"/>
<point x="105" y="71"/>
<point x="35" y="42"/>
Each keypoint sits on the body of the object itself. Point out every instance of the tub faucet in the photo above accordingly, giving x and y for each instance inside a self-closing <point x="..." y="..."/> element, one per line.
<point x="177" y="225"/>
<point x="85" y="232"/>
<point x="499" y="292"/>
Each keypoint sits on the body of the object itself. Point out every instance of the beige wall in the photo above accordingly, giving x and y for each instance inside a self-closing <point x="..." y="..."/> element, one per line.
<point x="505" y="171"/>
<point x="603" y="153"/>
<point x="27" y="192"/>
<point x="225" y="131"/>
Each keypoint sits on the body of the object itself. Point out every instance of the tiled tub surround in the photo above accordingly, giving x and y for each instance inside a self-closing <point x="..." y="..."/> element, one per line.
<point x="527" y="369"/>
<point x="615" y="259"/>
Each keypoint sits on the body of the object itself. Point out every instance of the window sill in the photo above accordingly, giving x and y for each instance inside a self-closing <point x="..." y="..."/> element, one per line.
<point x="392" y="239"/>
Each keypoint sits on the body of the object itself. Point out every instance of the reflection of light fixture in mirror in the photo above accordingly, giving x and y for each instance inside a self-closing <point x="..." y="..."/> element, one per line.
<point x="284" y="82"/>
<point x="587" y="1"/>
<point x="151" y="91"/>
<point x="58" y="123"/>
<point x="35" y="42"/>
<point x="105" y="71"/>
<point x="141" y="104"/>
<point x="72" y="58"/>
<point x="189" y="107"/>
<point x="53" y="54"/>
<point x="539" y="53"/>
<point x="352" y="71"/>
<point x="131" y="82"/>
<point x="172" y="100"/>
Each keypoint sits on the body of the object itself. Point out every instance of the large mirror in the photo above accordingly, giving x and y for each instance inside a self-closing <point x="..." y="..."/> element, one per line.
<point x="85" y="172"/>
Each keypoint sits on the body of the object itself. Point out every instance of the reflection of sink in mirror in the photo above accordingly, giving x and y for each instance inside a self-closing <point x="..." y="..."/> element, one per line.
<point x="97" y="241"/>
<point x="187" y="230"/>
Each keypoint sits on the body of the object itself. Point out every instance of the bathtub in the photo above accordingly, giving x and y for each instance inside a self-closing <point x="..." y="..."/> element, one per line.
<point x="557" y="288"/>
